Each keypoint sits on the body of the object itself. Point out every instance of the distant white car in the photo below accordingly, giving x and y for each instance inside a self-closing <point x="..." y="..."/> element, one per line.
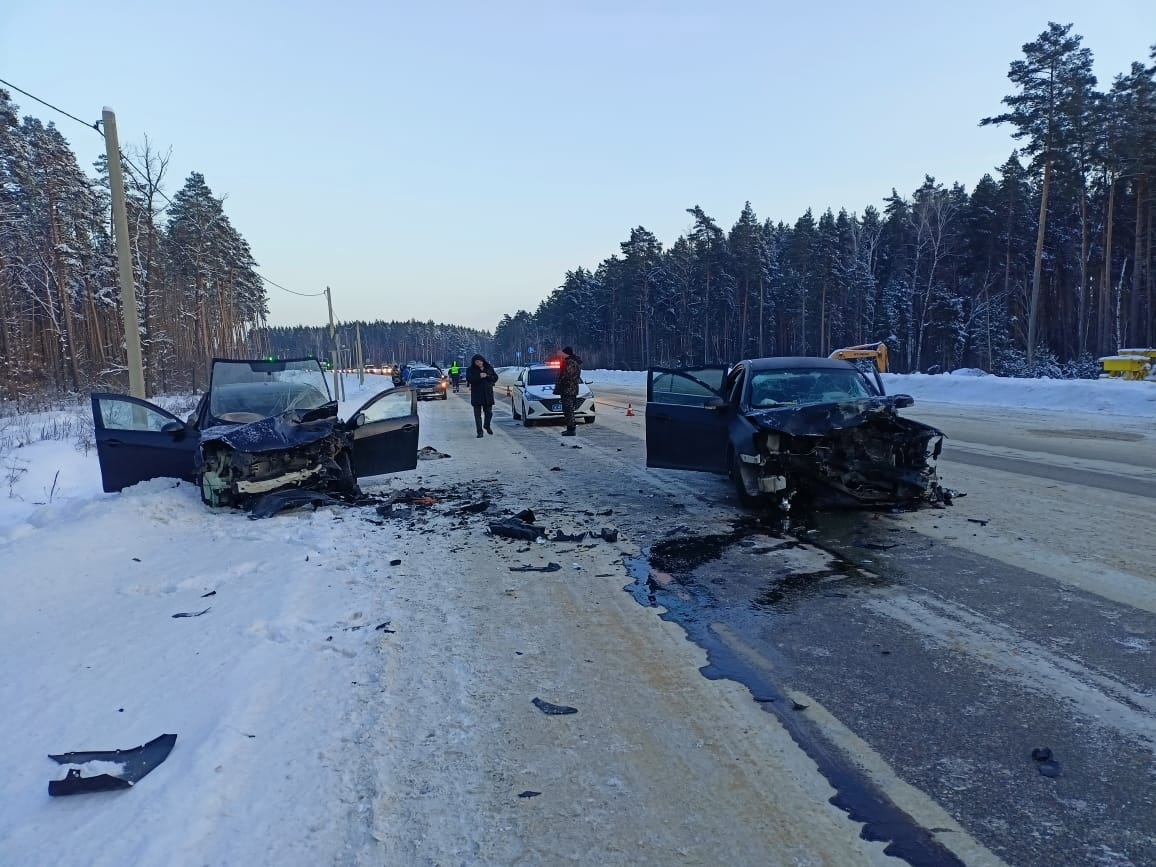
<point x="533" y="400"/>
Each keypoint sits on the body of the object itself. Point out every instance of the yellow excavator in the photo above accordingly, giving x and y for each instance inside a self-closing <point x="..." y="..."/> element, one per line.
<point x="876" y="352"/>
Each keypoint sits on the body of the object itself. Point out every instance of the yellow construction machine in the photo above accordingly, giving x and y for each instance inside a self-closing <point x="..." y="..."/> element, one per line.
<point x="876" y="352"/>
<point x="1134" y="364"/>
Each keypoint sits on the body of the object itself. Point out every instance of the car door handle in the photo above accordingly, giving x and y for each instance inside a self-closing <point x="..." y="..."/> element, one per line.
<point x="114" y="442"/>
<point x="409" y="427"/>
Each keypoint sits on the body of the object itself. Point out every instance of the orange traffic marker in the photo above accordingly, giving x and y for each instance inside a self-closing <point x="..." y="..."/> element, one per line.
<point x="629" y="409"/>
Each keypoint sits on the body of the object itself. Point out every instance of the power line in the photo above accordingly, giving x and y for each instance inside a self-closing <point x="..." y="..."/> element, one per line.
<point x="290" y="291"/>
<point x="139" y="174"/>
<point x="95" y="125"/>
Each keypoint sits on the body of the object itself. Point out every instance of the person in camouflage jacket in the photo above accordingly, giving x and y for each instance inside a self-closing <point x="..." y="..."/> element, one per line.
<point x="569" y="378"/>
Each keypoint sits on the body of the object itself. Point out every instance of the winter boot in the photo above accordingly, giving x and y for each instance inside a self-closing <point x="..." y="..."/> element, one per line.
<point x="569" y="432"/>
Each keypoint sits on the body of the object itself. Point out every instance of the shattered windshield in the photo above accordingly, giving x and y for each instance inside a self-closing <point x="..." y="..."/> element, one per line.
<point x="793" y="386"/>
<point x="267" y="387"/>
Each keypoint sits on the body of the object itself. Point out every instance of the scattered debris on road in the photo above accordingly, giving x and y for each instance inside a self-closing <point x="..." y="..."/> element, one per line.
<point x="609" y="534"/>
<point x="981" y="521"/>
<point x="549" y="567"/>
<point x="553" y="709"/>
<point x="429" y="453"/>
<point x="1048" y="766"/>
<point x="529" y="793"/>
<point x="513" y="528"/>
<point x="134" y="764"/>
<point x="191" y="613"/>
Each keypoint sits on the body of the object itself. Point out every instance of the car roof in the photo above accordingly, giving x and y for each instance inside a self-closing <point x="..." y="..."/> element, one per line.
<point x="787" y="362"/>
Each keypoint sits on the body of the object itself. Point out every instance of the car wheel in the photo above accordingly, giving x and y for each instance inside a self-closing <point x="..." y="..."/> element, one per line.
<point x="526" y="419"/>
<point x="736" y="474"/>
<point x="514" y="410"/>
<point x="589" y="419"/>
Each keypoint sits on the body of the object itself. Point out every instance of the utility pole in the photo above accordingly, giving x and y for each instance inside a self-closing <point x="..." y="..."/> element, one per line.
<point x="136" y="381"/>
<point x="360" y="358"/>
<point x="333" y="346"/>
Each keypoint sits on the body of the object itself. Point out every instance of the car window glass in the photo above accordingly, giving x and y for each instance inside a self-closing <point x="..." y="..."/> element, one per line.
<point x="123" y="415"/>
<point x="771" y="388"/>
<point x="541" y="376"/>
<point x="674" y="383"/>
<point x="393" y="404"/>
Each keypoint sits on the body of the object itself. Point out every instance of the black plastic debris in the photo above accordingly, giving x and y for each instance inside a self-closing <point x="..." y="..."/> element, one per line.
<point x="136" y="763"/>
<point x="796" y="706"/>
<point x="559" y="536"/>
<point x="268" y="505"/>
<point x="549" y="567"/>
<point x="513" y="528"/>
<point x="395" y="562"/>
<point x="529" y="793"/>
<point x="981" y="521"/>
<point x="192" y="613"/>
<point x="136" y="559"/>
<point x="210" y="593"/>
<point x="384" y="627"/>
<point x="555" y="469"/>
<point x="476" y="507"/>
<point x="609" y="534"/>
<point x="525" y="515"/>
<point x="1048" y="766"/>
<point x="553" y="709"/>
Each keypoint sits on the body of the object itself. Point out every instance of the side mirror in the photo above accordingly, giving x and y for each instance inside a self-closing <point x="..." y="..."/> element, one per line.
<point x="715" y="403"/>
<point x="174" y="429"/>
<point x="359" y="419"/>
<point x="191" y="420"/>
<point x="902" y="401"/>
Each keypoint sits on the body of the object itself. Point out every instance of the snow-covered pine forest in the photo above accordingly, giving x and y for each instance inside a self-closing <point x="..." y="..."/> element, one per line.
<point x="198" y="291"/>
<point x="1038" y="269"/>
<point x="949" y="278"/>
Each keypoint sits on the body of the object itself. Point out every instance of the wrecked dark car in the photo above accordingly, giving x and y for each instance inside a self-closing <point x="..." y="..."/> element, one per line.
<point x="810" y="430"/>
<point x="263" y="426"/>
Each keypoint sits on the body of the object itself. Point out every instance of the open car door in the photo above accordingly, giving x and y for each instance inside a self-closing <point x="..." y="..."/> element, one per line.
<point x="685" y="429"/>
<point x="385" y="434"/>
<point x="137" y="440"/>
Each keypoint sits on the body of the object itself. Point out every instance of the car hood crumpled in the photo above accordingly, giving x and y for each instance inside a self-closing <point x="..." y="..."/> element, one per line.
<point x="284" y="431"/>
<point x="820" y="419"/>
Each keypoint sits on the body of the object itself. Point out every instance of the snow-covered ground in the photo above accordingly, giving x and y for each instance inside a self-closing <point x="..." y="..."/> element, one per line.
<point x="274" y="690"/>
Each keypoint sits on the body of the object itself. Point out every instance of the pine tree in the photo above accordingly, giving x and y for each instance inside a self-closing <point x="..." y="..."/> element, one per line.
<point x="1055" y="81"/>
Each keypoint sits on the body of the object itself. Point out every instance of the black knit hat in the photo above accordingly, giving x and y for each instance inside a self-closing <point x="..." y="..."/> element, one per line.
<point x="567" y="350"/>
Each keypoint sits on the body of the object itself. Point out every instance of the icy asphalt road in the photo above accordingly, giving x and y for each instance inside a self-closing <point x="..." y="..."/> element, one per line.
<point x="926" y="655"/>
<point x="950" y="644"/>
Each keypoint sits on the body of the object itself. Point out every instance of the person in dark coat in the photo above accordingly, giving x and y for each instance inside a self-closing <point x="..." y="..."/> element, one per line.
<point x="480" y="377"/>
<point x="569" y="378"/>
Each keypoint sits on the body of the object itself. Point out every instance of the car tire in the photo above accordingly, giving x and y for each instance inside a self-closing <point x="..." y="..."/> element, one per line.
<point x="526" y="420"/>
<point x="514" y="410"/>
<point x="589" y="419"/>
<point x="745" y="498"/>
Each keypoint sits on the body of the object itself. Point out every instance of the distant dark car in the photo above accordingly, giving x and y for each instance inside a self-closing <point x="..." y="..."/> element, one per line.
<point x="428" y="383"/>
<point x="263" y="426"/>
<point x="813" y="428"/>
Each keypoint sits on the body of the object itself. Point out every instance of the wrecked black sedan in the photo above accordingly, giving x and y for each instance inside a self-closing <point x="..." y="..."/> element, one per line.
<point x="813" y="430"/>
<point x="264" y="426"/>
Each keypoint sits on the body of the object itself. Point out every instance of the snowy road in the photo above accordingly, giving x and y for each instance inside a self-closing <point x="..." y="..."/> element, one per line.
<point x="335" y="708"/>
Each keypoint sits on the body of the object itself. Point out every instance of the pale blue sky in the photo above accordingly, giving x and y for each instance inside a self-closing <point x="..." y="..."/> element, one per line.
<point x="451" y="161"/>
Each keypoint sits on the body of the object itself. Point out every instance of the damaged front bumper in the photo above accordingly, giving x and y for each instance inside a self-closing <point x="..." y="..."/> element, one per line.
<point x="843" y="455"/>
<point x="238" y="465"/>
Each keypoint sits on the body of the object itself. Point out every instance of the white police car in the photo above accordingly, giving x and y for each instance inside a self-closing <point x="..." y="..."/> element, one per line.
<point x="532" y="397"/>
